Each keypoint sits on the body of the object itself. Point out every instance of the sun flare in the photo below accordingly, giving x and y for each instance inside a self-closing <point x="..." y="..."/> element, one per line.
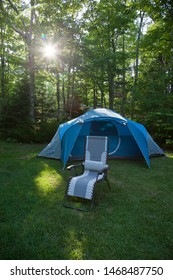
<point x="49" y="50"/>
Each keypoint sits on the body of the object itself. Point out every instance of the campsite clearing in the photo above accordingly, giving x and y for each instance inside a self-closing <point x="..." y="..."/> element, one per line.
<point x="132" y="221"/>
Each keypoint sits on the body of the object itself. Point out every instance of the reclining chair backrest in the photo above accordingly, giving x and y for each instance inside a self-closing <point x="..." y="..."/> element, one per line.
<point x="95" y="153"/>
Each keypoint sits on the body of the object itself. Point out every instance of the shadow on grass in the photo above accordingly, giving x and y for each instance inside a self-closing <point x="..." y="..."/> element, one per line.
<point x="133" y="221"/>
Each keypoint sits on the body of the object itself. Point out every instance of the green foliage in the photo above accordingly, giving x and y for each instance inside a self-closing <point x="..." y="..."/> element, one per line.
<point x="102" y="56"/>
<point x="44" y="131"/>
<point x="26" y="132"/>
<point x="16" y="126"/>
<point x="45" y="97"/>
<point x="154" y="98"/>
<point x="15" y="110"/>
<point x="160" y="126"/>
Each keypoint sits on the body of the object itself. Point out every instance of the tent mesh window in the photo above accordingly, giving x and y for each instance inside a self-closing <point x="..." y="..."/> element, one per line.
<point x="106" y="128"/>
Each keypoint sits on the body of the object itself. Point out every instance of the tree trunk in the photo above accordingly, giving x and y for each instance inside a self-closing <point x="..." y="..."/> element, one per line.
<point x="2" y="71"/>
<point x="28" y="38"/>
<point x="58" y="94"/>
<point x="123" y="78"/>
<point x="111" y="65"/>
<point x="111" y="92"/>
<point x="136" y="68"/>
<point x="31" y="85"/>
<point x="63" y="93"/>
<point x="73" y="82"/>
<point x="95" y="98"/>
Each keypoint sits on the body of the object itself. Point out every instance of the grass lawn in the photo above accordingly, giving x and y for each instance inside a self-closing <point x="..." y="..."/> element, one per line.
<point x="133" y="221"/>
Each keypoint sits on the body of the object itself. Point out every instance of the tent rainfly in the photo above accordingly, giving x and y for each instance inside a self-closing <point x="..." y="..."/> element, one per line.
<point x="127" y="139"/>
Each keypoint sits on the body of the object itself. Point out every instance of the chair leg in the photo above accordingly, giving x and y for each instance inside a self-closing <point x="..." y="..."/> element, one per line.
<point x="108" y="183"/>
<point x="101" y="183"/>
<point x="72" y="205"/>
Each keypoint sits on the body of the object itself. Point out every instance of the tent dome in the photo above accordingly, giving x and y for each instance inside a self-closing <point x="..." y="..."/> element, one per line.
<point x="127" y="139"/>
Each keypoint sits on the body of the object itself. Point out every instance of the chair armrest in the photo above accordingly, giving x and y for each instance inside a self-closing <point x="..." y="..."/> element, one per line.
<point x="72" y="168"/>
<point x="102" y="171"/>
<point x="105" y="168"/>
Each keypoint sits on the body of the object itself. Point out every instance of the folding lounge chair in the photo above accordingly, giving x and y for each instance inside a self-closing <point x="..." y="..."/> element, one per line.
<point x="94" y="171"/>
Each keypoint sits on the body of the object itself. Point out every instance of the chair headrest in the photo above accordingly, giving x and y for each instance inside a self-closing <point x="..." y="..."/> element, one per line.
<point x="94" y="165"/>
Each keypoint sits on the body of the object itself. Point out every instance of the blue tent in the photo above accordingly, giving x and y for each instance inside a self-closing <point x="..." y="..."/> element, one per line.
<point x="127" y="139"/>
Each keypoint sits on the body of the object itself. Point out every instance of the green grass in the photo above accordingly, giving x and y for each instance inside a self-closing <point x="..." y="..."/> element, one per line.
<point x="133" y="221"/>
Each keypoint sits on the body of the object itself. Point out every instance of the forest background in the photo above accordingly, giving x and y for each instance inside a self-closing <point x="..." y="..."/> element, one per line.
<point x="61" y="58"/>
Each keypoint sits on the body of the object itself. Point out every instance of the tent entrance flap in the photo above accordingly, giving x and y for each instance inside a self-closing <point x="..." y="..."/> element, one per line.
<point x="138" y="132"/>
<point x="68" y="141"/>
